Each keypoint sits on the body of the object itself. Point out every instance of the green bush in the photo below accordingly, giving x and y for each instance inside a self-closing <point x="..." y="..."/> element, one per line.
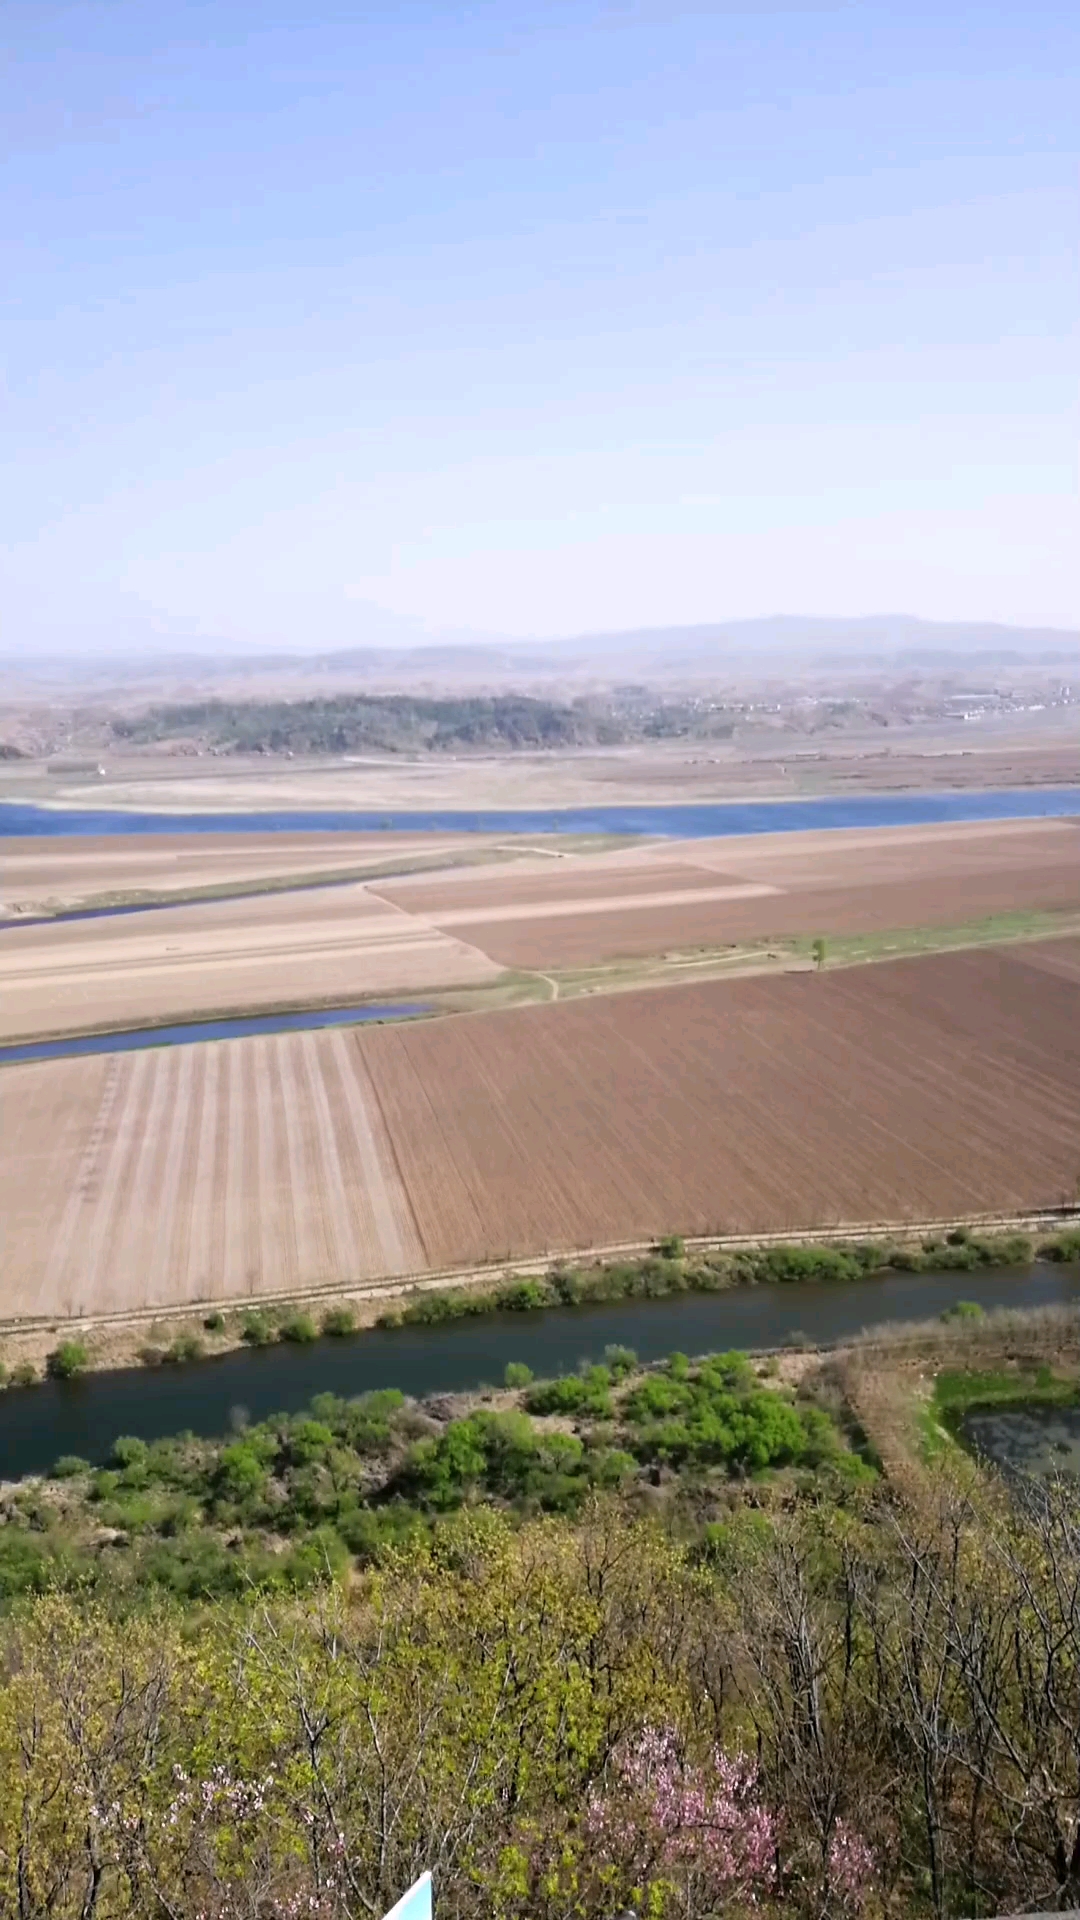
<point x="672" y="1247"/>
<point x="783" y="1264"/>
<point x="1064" y="1246"/>
<point x="69" y="1466"/>
<point x="215" y="1322"/>
<point x="24" y="1374"/>
<point x="67" y="1360"/>
<point x="299" y="1329"/>
<point x="574" y="1393"/>
<point x="256" y="1330"/>
<point x="186" y="1347"/>
<point x="523" y="1296"/>
<point x="517" y="1374"/>
<point x="620" y="1361"/>
<point x="963" y="1310"/>
<point x="338" y="1322"/>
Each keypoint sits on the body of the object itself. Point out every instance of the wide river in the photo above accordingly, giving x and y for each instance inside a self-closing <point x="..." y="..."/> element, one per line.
<point x="38" y="1424"/>
<point x="681" y="822"/>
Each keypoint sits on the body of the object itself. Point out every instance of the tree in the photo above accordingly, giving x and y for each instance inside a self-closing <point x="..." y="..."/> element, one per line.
<point x="818" y="951"/>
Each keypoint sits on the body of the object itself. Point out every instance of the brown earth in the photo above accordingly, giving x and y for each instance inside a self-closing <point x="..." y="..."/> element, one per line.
<point x="917" y="1089"/>
<point x="829" y="883"/>
<point x="337" y="943"/>
<point x="67" y="869"/>
<point x="196" y="1173"/>
<point x="546" y="908"/>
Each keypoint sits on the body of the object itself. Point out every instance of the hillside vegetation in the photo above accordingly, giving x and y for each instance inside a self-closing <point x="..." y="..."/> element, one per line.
<point x="663" y="1640"/>
<point x="406" y="723"/>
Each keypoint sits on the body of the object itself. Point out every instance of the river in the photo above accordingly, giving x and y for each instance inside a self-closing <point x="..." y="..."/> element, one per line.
<point x="38" y="1424"/>
<point x="678" y="822"/>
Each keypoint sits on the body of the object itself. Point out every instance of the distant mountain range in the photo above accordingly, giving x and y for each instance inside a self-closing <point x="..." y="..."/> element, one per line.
<point x="896" y="640"/>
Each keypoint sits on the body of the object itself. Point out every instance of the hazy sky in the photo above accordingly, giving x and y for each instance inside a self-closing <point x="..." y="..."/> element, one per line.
<point x="534" y="319"/>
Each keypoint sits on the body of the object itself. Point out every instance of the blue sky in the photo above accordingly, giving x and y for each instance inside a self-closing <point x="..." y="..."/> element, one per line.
<point x="332" y="323"/>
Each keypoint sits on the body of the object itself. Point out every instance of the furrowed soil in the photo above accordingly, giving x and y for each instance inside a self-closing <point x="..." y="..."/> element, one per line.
<point x="757" y="888"/>
<point x="338" y="943"/>
<point x="916" y="1089"/>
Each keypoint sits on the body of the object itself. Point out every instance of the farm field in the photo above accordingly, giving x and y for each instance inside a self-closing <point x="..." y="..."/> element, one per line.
<point x="911" y="1090"/>
<point x="753" y="888"/>
<point x="41" y="872"/>
<point x="498" y="913"/>
<point x="338" y="943"/>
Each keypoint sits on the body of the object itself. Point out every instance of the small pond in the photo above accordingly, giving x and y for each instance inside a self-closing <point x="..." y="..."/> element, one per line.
<point x="1040" y="1441"/>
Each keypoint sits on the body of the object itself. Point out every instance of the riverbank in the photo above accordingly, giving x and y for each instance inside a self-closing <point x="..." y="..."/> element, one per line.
<point x="629" y="1270"/>
<point x="170" y="1376"/>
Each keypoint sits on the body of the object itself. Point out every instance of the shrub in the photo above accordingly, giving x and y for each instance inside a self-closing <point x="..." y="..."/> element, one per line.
<point x="963" y="1310"/>
<point x="522" y="1296"/>
<point x="574" y="1393"/>
<point x="186" y="1347"/>
<point x="67" y="1360"/>
<point x="299" y="1328"/>
<point x="24" y="1374"/>
<point x="1064" y="1246"/>
<point x="338" y="1322"/>
<point x="1010" y="1250"/>
<point x="255" y="1330"/>
<point x="620" y="1361"/>
<point x="69" y="1465"/>
<point x="215" y="1322"/>
<point x="804" y="1263"/>
<point x="128" y="1451"/>
<point x="517" y="1373"/>
<point x="3" y="1374"/>
<point x="672" y="1246"/>
<point x="958" y="1236"/>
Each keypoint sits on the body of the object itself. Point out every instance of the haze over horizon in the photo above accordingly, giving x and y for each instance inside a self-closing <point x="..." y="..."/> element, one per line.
<point x="384" y="330"/>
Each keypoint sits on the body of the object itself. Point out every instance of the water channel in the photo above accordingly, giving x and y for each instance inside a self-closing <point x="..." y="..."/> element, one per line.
<point x="38" y="1424"/>
<point x="185" y="1033"/>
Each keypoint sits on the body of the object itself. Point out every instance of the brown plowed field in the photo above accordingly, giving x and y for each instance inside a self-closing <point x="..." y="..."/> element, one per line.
<point x="915" y="1089"/>
<point x="196" y="1173"/>
<point x="587" y="939"/>
<point x="269" y="950"/>
<point x="631" y="903"/>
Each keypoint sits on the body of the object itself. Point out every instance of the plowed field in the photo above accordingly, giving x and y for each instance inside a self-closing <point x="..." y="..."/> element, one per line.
<point x="713" y="893"/>
<point x="914" y="1089"/>
<point x="527" y="938"/>
<point x="273" y="949"/>
<point x="196" y="1173"/>
<point x="40" y="870"/>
